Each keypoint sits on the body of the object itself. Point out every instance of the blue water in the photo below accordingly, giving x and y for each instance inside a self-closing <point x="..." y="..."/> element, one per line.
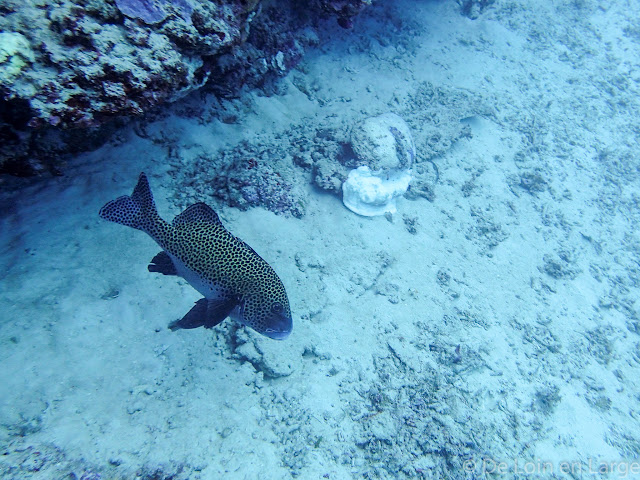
<point x="489" y="328"/>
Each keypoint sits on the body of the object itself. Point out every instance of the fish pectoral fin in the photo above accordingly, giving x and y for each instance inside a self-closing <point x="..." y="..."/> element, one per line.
<point x="162" y="263"/>
<point x="205" y="313"/>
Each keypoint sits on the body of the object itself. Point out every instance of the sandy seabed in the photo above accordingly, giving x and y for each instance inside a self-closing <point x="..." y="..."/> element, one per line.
<point x="492" y="332"/>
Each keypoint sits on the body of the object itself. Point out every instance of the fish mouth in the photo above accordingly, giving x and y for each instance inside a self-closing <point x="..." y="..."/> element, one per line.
<point x="281" y="330"/>
<point x="277" y="335"/>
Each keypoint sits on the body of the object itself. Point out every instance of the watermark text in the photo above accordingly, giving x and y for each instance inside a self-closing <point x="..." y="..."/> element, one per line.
<point x="592" y="466"/>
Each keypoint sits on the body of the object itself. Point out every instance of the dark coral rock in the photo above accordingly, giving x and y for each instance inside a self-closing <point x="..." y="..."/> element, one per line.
<point x="344" y="10"/>
<point x="275" y="44"/>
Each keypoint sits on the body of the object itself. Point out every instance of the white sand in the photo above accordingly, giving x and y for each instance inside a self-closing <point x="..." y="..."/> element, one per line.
<point x="371" y="383"/>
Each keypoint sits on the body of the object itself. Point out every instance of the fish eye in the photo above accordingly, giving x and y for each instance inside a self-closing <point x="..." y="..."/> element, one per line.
<point x="277" y="307"/>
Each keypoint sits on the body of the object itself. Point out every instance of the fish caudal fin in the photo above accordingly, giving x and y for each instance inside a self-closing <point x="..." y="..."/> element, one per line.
<point x="137" y="211"/>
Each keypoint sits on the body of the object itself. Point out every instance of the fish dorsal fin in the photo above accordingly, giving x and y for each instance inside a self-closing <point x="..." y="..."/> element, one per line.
<point x="197" y="213"/>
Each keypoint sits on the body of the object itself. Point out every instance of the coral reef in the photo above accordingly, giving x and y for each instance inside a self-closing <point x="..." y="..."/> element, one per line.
<point x="79" y="64"/>
<point x="91" y="61"/>
<point x="69" y="66"/>
<point x="68" y="69"/>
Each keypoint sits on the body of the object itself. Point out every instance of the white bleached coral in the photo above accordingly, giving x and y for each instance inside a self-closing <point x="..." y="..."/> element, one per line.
<point x="371" y="193"/>
<point x="385" y="146"/>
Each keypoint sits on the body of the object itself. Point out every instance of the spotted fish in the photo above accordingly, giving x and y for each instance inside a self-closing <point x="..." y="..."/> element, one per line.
<point x="235" y="281"/>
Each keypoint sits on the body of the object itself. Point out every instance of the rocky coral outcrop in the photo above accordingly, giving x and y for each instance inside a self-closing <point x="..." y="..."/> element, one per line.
<point x="81" y="63"/>
<point x="78" y="64"/>
<point x="69" y="66"/>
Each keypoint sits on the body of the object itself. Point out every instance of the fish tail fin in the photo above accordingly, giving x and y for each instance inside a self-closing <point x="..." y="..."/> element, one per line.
<point x="137" y="211"/>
